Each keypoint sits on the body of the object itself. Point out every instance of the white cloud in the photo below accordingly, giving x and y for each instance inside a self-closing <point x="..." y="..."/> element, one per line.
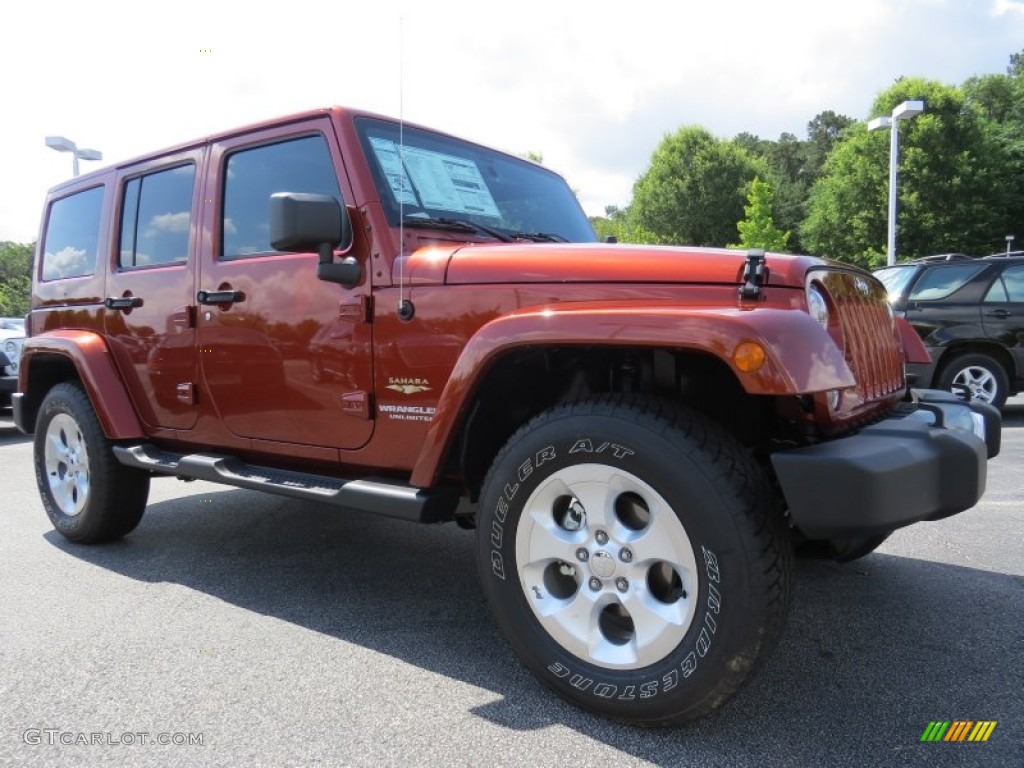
<point x="1002" y="7"/>
<point x="67" y="262"/>
<point x="168" y="222"/>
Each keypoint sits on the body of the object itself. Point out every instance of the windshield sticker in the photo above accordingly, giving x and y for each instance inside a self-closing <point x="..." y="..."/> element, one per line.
<point x="391" y="163"/>
<point x="449" y="183"/>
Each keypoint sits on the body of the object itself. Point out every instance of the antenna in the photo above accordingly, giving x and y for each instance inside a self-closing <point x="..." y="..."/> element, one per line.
<point x="405" y="307"/>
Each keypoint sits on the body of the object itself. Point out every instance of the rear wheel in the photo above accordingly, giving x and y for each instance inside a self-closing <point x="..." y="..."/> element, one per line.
<point x="88" y="496"/>
<point x="982" y="376"/>
<point x="633" y="557"/>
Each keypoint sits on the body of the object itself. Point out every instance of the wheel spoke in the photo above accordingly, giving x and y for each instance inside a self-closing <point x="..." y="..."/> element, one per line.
<point x="656" y="624"/>
<point x="548" y="542"/>
<point x="572" y="621"/>
<point x="596" y="500"/>
<point x="660" y="540"/>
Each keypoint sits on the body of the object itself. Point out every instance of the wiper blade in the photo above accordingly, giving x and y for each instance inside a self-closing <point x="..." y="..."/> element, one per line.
<point x="456" y="225"/>
<point x="541" y="237"/>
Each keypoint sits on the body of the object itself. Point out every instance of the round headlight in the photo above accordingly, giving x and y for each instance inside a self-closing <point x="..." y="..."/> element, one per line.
<point x="817" y="307"/>
<point x="11" y="349"/>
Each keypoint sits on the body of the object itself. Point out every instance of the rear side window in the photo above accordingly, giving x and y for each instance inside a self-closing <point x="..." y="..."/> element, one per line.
<point x="895" y="280"/>
<point x="72" y="235"/>
<point x="156" y="218"/>
<point x="253" y="175"/>
<point x="1009" y="286"/>
<point x="940" y="282"/>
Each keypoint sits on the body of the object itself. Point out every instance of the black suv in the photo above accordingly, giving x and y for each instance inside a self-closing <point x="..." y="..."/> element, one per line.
<point x="969" y="312"/>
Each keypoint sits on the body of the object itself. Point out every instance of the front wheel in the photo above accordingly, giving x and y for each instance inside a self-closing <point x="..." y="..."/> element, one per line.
<point x="981" y="376"/>
<point x="88" y="496"/>
<point x="632" y="555"/>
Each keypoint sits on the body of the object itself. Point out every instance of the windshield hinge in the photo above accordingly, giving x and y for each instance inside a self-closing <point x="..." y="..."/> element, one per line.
<point x="755" y="274"/>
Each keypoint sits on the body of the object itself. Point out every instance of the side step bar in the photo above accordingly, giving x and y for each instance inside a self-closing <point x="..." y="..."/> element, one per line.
<point x="381" y="496"/>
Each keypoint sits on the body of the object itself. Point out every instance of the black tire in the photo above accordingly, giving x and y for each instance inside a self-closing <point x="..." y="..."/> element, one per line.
<point x="984" y="377"/>
<point x="88" y="496"/>
<point x="672" y="484"/>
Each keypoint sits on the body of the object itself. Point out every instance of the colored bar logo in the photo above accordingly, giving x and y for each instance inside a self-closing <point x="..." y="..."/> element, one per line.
<point x="959" y="730"/>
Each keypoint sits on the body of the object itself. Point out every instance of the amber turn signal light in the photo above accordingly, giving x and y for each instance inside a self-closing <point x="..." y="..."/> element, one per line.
<point x="749" y="356"/>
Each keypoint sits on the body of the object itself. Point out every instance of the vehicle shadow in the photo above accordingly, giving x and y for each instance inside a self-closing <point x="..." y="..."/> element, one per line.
<point x="872" y="652"/>
<point x="1013" y="414"/>
<point x="9" y="434"/>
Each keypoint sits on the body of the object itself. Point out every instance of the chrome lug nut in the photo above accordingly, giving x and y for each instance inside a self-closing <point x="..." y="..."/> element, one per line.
<point x="602" y="537"/>
<point x="626" y="555"/>
<point x="595" y="584"/>
<point x="582" y="555"/>
<point x="622" y="584"/>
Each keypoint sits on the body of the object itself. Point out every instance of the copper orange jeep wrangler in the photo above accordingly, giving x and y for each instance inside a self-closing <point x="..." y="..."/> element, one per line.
<point x="350" y="311"/>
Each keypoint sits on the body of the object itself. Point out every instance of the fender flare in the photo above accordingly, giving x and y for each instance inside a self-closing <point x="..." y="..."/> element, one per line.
<point x="88" y="352"/>
<point x="914" y="350"/>
<point x="800" y="356"/>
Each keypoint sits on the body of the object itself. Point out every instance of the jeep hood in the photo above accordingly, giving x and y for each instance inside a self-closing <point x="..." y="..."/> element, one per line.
<point x="593" y="263"/>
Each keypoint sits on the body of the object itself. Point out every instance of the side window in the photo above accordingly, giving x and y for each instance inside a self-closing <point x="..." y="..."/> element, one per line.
<point x="940" y="282"/>
<point x="156" y="218"/>
<point x="997" y="292"/>
<point x="1013" y="279"/>
<point x="253" y="175"/>
<point x="72" y="235"/>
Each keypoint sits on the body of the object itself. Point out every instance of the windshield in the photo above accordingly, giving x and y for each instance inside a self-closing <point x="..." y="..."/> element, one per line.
<point x="438" y="178"/>
<point x="895" y="280"/>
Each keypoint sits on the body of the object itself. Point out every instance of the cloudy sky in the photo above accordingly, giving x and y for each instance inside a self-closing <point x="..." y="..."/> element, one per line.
<point x="593" y="86"/>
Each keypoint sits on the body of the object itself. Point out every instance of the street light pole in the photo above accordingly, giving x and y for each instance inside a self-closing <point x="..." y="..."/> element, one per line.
<point x="904" y="111"/>
<point x="61" y="144"/>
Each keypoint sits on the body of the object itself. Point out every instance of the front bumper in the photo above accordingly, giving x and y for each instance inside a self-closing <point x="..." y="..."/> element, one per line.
<point x="926" y="462"/>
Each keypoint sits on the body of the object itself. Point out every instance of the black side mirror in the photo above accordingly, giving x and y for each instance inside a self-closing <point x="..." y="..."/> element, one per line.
<point x="300" y="221"/>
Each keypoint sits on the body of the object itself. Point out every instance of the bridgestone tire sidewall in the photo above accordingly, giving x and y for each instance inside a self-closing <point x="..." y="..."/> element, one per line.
<point x="726" y="635"/>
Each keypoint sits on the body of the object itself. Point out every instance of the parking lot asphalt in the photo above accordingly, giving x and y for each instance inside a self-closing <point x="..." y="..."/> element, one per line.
<point x="278" y="632"/>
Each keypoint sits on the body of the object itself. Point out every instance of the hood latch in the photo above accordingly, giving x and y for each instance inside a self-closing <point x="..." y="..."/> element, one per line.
<point x="755" y="274"/>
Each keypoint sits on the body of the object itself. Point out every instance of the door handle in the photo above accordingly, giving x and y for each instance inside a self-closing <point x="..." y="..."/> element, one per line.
<point x="1000" y="313"/>
<point x="219" y="297"/>
<point x="122" y="302"/>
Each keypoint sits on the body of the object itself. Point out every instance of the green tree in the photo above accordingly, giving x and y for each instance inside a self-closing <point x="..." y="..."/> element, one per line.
<point x="758" y="230"/>
<point x="619" y="224"/>
<point x="1000" y="99"/>
<point x="692" y="193"/>
<point x="794" y="165"/>
<point x="15" y="278"/>
<point x="955" y="182"/>
<point x="823" y="133"/>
